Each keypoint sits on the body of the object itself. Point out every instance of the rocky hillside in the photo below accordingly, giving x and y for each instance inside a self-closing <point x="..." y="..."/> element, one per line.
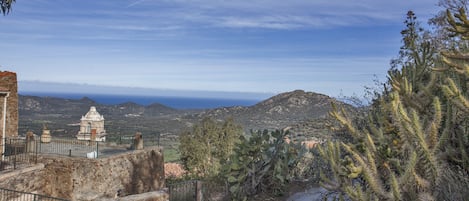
<point x="33" y="105"/>
<point x="283" y="110"/>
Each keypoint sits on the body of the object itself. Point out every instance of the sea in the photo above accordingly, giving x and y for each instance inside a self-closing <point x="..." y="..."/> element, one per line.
<point x="173" y="102"/>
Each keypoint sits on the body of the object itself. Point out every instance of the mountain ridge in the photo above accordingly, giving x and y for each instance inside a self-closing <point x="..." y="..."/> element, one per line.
<point x="281" y="110"/>
<point x="296" y="109"/>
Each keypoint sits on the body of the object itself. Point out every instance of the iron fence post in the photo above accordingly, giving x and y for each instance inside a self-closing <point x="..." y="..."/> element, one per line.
<point x="14" y="158"/>
<point x="97" y="149"/>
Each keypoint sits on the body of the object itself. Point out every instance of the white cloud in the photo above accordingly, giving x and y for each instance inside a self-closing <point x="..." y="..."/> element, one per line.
<point x="204" y="44"/>
<point x="296" y="13"/>
<point x="136" y="2"/>
<point x="169" y="16"/>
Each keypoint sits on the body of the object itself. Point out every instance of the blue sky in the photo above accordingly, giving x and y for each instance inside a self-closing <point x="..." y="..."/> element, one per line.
<point x="260" y="46"/>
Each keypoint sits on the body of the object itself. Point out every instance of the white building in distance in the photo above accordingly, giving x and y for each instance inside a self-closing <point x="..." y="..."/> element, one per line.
<point x="92" y="126"/>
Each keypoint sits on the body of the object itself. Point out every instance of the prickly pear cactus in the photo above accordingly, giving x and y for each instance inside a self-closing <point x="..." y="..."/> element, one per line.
<point x="261" y="162"/>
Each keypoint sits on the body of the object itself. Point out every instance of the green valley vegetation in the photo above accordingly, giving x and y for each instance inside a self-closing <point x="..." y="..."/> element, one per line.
<point x="208" y="145"/>
<point x="220" y="153"/>
<point x="414" y="144"/>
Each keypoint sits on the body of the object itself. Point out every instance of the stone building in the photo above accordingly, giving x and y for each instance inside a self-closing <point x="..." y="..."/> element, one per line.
<point x="8" y="106"/>
<point x="9" y="93"/>
<point x="92" y="126"/>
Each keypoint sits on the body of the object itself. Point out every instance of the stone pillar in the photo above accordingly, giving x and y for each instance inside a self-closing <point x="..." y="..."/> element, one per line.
<point x="138" y="141"/>
<point x="30" y="142"/>
<point x="45" y="137"/>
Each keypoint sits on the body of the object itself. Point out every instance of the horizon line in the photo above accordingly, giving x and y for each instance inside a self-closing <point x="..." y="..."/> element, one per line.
<point x="36" y="86"/>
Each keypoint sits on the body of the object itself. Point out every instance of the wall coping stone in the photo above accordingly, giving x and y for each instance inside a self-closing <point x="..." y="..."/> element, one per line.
<point x="17" y="172"/>
<point x="149" y="196"/>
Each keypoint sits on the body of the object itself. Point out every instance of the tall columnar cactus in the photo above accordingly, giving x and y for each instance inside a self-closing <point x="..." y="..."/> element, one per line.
<point x="380" y="167"/>
<point x="5" y="6"/>
<point x="456" y="90"/>
<point x="412" y="135"/>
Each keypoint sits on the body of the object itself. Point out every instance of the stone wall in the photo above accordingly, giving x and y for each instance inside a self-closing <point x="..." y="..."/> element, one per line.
<point x="9" y="83"/>
<point x="93" y="179"/>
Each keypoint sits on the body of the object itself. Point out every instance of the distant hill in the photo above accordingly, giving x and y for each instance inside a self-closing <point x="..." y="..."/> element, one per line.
<point x="31" y="105"/>
<point x="49" y="105"/>
<point x="127" y="118"/>
<point x="289" y="109"/>
<point x="304" y="112"/>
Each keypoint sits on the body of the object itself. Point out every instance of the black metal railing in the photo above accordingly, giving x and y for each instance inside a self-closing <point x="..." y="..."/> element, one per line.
<point x="25" y="150"/>
<point x="196" y="190"/>
<point x="12" y="195"/>
<point x="17" y="152"/>
<point x="182" y="191"/>
<point x="70" y="147"/>
<point x="185" y="191"/>
<point x="120" y="139"/>
<point x="148" y="140"/>
<point x="214" y="191"/>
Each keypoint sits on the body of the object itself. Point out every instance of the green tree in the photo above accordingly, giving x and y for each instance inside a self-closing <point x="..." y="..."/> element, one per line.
<point x="208" y="145"/>
<point x="5" y="6"/>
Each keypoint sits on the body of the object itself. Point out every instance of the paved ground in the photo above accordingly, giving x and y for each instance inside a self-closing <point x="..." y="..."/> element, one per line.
<point x="311" y="194"/>
<point x="79" y="148"/>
